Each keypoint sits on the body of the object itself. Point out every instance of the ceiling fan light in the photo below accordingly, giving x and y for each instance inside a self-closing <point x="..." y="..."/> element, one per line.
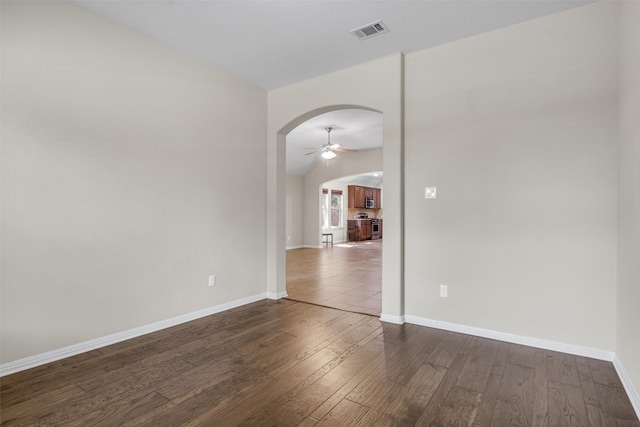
<point x="328" y="155"/>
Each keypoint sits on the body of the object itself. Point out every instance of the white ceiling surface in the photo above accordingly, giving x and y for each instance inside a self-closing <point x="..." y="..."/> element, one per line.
<point x="354" y="129"/>
<point x="275" y="43"/>
<point x="372" y="179"/>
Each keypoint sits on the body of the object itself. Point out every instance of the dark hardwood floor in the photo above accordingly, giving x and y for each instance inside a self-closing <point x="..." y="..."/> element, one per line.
<point x="345" y="276"/>
<point x="287" y="363"/>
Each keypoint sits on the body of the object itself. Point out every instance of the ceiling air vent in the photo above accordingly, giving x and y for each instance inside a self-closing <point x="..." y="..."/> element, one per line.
<point x="370" y="30"/>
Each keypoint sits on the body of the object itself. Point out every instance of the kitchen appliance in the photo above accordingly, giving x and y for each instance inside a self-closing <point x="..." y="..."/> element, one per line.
<point x="376" y="229"/>
<point x="362" y="215"/>
<point x="369" y="203"/>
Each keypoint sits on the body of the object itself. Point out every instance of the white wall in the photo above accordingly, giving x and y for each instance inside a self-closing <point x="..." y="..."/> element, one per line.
<point x="376" y="85"/>
<point x="517" y="129"/>
<point x="121" y="159"/>
<point x="341" y="166"/>
<point x="628" y="315"/>
<point x="304" y="203"/>
<point x="130" y="173"/>
<point x="295" y="211"/>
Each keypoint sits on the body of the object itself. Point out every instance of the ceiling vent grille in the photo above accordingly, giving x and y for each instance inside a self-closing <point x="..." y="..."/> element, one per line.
<point x="370" y="30"/>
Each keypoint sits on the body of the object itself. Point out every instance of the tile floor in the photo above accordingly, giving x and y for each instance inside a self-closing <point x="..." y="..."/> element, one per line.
<point x="345" y="276"/>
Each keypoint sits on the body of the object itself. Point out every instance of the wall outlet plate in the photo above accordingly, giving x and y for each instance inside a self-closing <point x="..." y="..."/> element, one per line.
<point x="212" y="281"/>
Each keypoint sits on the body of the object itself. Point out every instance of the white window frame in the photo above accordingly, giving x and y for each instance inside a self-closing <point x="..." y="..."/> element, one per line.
<point x="327" y="209"/>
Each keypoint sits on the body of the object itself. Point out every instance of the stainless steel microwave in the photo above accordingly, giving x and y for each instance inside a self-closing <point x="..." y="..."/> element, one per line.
<point x="368" y="203"/>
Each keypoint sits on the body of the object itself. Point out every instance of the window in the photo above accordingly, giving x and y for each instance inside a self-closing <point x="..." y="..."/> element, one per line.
<point x="331" y="208"/>
<point x="336" y="208"/>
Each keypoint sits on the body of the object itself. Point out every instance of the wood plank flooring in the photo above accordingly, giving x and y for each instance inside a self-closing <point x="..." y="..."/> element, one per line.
<point x="287" y="363"/>
<point x="344" y="276"/>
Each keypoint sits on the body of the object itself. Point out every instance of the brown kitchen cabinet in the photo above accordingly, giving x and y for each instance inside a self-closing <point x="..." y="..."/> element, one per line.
<point x="358" y="229"/>
<point x="365" y="228"/>
<point x="358" y="194"/>
<point x="369" y="192"/>
<point x="352" y="231"/>
<point x="377" y="199"/>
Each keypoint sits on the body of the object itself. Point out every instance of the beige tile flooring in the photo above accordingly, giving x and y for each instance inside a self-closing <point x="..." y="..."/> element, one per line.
<point x="343" y="276"/>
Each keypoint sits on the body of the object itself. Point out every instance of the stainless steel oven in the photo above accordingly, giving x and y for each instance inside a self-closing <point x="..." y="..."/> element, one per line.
<point x="375" y="228"/>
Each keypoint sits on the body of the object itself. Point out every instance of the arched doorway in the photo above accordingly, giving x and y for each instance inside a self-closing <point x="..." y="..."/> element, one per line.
<point x="338" y="273"/>
<point x="392" y="286"/>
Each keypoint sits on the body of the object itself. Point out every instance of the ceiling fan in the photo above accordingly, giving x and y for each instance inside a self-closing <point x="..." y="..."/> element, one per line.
<point x="328" y="150"/>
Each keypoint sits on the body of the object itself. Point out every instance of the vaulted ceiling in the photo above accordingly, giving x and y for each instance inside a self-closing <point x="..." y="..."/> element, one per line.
<point x="276" y="43"/>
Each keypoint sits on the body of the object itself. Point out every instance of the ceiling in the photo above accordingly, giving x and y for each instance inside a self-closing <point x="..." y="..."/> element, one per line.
<point x="276" y="43"/>
<point x="354" y="129"/>
<point x="371" y="179"/>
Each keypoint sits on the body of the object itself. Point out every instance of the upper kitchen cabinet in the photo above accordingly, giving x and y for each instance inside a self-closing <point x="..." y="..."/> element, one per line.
<point x="358" y="197"/>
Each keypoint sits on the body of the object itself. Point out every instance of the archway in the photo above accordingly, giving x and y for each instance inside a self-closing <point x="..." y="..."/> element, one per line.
<point x="343" y="273"/>
<point x="392" y="288"/>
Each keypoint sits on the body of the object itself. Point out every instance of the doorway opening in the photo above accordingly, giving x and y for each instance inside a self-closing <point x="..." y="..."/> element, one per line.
<point x="325" y="264"/>
<point x="347" y="276"/>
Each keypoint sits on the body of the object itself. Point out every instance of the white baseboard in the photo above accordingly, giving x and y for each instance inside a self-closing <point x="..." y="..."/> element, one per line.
<point x="593" y="353"/>
<point x="390" y="318"/>
<point x="277" y="295"/>
<point x="633" y="394"/>
<point x="515" y="339"/>
<point x="314" y="246"/>
<point x="83" y="347"/>
<point x="72" y="350"/>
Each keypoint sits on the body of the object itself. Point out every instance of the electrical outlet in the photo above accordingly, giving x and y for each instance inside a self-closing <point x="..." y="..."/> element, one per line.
<point x="443" y="291"/>
<point x="212" y="281"/>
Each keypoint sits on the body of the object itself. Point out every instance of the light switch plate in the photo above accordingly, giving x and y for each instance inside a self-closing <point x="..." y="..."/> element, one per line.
<point x="430" y="192"/>
<point x="444" y="291"/>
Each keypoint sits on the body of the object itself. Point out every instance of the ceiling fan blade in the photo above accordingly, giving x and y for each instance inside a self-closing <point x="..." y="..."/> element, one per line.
<point x="334" y="146"/>
<point x="345" y="150"/>
<point x="313" y="152"/>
